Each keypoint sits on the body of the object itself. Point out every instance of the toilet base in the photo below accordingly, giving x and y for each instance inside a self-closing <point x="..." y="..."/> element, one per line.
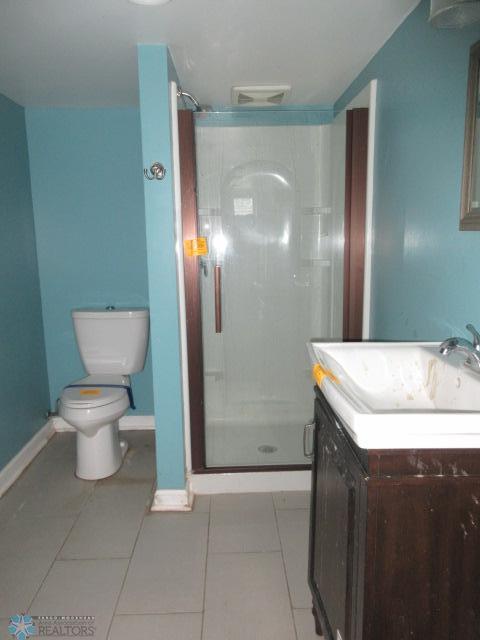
<point x="101" y="455"/>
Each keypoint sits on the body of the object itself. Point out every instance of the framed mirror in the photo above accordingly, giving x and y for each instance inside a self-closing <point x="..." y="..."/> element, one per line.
<point x="470" y="207"/>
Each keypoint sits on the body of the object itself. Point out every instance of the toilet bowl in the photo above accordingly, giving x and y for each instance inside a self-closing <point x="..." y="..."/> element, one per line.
<point x="94" y="409"/>
<point x="112" y="344"/>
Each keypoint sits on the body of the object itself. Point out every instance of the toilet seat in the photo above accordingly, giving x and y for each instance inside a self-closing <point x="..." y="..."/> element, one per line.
<point x="91" y="397"/>
<point x="85" y="394"/>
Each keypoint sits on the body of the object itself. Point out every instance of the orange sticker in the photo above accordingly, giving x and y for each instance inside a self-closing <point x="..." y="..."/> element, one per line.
<point x="195" y="247"/>
<point x="90" y="392"/>
<point x="319" y="374"/>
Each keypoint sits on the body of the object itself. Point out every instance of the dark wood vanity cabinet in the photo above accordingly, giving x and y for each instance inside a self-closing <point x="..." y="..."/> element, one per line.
<point x="394" y="539"/>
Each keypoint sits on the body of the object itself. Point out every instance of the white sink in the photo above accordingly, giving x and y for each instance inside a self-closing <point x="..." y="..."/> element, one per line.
<point x="401" y="395"/>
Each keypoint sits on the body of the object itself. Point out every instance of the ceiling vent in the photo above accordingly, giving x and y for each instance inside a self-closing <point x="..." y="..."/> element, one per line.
<point x="260" y="96"/>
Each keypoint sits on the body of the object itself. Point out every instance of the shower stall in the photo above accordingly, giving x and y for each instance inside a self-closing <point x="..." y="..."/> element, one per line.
<point x="270" y="203"/>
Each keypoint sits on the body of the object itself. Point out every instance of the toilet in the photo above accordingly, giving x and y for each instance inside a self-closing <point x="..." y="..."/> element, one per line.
<point x="112" y="345"/>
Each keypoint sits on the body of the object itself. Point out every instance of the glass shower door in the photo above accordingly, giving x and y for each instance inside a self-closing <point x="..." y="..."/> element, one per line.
<point x="264" y="206"/>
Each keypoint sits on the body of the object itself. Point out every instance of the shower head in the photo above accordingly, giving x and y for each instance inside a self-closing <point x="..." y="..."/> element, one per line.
<point x="198" y="107"/>
<point x="184" y="94"/>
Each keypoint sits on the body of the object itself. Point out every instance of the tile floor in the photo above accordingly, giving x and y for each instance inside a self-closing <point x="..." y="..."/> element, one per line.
<point x="233" y="568"/>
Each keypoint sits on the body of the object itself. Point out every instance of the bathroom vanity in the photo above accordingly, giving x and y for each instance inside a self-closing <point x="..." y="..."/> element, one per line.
<point x="395" y="532"/>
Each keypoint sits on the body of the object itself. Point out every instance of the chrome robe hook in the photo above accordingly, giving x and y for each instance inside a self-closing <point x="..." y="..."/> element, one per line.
<point x="156" y="172"/>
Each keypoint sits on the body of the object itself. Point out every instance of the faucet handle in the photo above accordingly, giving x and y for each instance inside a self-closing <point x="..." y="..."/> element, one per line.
<point x="476" y="336"/>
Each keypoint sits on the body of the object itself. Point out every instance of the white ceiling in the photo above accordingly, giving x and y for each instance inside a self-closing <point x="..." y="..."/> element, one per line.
<point x="82" y="52"/>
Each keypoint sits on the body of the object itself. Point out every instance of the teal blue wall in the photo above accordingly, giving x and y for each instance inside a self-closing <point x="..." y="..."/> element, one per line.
<point x="155" y="71"/>
<point x="425" y="271"/>
<point x="23" y="370"/>
<point x="86" y="175"/>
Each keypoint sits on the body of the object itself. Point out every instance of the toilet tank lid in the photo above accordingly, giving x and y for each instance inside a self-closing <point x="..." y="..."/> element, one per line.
<point x="120" y="313"/>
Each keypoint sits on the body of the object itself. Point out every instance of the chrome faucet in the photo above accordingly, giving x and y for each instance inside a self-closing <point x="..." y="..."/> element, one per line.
<point x="461" y="345"/>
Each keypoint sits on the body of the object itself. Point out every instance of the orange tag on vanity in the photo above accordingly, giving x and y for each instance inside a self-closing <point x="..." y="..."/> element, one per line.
<point x="90" y="392"/>
<point x="195" y="247"/>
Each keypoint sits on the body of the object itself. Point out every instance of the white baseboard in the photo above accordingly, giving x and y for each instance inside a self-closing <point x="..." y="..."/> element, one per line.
<point x="250" y="482"/>
<point x="244" y="482"/>
<point x="172" y="500"/>
<point x="13" y="469"/>
<point x="137" y="423"/>
<point x="165" y="499"/>
<point x="127" y="423"/>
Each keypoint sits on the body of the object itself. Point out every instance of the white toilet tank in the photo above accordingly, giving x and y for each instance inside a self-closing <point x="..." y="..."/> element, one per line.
<point x="112" y="340"/>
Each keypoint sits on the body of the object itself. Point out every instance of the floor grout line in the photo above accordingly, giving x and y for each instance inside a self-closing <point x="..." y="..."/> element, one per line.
<point x="206" y="569"/>
<point x="285" y="572"/>
<point x="56" y="558"/>
<point x="90" y="559"/>
<point x="145" y="513"/>
<point x="157" y="613"/>
<point x="220" y="553"/>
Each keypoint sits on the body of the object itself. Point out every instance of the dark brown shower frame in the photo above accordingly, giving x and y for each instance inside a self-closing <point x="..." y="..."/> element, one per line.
<point x="355" y="196"/>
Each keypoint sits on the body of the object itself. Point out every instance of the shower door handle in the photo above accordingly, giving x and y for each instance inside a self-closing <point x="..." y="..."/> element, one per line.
<point x="217" y="274"/>
<point x="308" y="430"/>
